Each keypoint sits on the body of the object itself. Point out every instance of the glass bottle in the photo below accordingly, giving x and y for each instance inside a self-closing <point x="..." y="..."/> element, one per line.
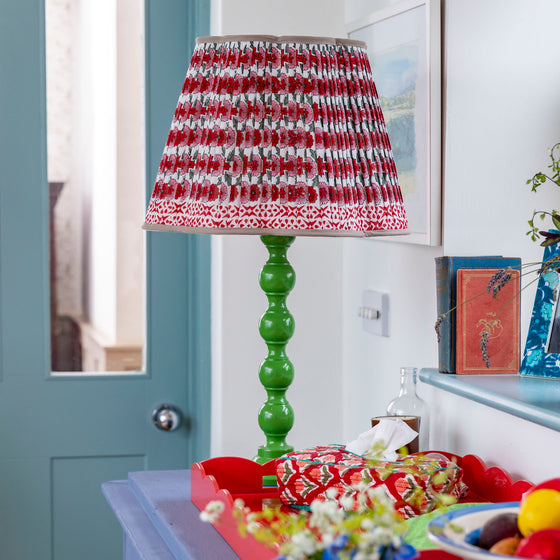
<point x="409" y="404"/>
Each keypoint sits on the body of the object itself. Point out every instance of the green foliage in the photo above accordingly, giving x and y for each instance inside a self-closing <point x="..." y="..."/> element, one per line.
<point x="536" y="181"/>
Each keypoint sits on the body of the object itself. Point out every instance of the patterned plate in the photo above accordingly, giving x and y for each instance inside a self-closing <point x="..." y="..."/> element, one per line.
<point x="457" y="531"/>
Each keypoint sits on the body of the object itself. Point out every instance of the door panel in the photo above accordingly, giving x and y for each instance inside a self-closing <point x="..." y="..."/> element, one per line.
<point x="61" y="436"/>
<point x="70" y="517"/>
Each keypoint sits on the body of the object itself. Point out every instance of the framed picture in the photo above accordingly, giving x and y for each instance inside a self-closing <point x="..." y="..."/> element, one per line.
<point x="404" y="48"/>
<point x="542" y="349"/>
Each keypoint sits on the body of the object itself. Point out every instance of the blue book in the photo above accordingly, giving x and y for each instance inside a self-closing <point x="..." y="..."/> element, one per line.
<point x="446" y="292"/>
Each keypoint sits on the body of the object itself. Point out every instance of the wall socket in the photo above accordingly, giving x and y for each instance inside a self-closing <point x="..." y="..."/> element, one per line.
<point x="375" y="312"/>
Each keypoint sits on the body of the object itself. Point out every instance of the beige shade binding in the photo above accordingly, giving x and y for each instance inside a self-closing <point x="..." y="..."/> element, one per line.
<point x="282" y="39"/>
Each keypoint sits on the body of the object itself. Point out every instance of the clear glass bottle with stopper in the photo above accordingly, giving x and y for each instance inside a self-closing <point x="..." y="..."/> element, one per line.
<point x="409" y="404"/>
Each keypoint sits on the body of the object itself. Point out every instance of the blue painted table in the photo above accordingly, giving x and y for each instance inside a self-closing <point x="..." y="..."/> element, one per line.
<point x="160" y="522"/>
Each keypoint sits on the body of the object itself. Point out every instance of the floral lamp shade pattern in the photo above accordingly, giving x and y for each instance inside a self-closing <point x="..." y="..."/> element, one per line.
<point x="278" y="135"/>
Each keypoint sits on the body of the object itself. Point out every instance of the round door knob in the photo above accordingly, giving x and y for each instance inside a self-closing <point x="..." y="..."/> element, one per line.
<point x="166" y="417"/>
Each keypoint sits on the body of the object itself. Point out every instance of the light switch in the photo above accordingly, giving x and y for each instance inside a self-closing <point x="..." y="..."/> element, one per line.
<point x="375" y="312"/>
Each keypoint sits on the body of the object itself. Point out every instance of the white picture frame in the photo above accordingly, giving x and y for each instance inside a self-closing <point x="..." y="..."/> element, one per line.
<point x="404" y="48"/>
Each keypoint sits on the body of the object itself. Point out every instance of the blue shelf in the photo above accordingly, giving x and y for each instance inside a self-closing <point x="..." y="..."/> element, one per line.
<point x="532" y="398"/>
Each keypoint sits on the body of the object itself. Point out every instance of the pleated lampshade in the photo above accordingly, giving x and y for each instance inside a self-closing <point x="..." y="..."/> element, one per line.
<point x="278" y="136"/>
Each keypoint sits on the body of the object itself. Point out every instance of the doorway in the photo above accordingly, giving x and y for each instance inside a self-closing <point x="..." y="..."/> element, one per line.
<point x="63" y="435"/>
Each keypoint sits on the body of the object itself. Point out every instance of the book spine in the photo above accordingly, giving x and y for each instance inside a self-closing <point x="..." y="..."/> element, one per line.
<point x="444" y="291"/>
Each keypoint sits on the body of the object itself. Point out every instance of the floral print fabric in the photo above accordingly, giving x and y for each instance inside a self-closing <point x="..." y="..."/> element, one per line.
<point x="308" y="475"/>
<point x="273" y="136"/>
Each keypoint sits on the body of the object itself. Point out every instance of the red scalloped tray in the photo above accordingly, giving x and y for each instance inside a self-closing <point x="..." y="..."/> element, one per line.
<point x="229" y="478"/>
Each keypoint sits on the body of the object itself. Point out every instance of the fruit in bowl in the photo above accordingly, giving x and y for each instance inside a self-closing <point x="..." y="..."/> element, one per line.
<point x="532" y="533"/>
<point x="539" y="509"/>
<point x="497" y="528"/>
<point x="544" y="544"/>
<point x="506" y="547"/>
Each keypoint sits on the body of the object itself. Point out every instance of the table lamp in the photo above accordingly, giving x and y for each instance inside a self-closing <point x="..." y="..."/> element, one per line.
<point x="277" y="137"/>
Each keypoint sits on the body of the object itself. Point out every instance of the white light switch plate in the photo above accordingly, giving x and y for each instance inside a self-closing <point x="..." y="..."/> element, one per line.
<point x="371" y="302"/>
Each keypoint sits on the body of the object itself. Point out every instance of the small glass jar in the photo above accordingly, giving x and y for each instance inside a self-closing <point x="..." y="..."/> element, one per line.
<point x="408" y="403"/>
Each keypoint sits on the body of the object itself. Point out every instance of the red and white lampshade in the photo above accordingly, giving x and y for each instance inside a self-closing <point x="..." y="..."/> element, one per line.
<point x="278" y="135"/>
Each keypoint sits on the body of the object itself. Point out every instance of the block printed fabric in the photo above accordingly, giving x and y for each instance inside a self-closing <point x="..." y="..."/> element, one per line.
<point x="306" y="475"/>
<point x="274" y="136"/>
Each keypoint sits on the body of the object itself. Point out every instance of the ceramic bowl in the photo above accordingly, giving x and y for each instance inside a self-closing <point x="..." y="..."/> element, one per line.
<point x="457" y="531"/>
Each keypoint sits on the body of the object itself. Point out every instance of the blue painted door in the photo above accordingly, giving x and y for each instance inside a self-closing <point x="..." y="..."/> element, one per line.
<point x="62" y="436"/>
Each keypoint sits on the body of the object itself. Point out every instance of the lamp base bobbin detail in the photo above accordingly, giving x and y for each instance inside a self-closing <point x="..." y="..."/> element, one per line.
<point x="276" y="416"/>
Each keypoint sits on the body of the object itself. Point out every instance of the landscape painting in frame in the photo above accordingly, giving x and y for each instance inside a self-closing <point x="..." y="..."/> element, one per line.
<point x="398" y="50"/>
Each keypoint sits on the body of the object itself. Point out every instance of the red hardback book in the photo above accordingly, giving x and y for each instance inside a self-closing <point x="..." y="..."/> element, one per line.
<point x="499" y="316"/>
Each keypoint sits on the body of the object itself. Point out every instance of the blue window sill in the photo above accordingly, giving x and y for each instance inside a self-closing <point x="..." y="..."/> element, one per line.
<point x="532" y="398"/>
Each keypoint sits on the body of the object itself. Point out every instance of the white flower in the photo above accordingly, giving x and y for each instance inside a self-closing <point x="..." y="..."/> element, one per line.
<point x="361" y="486"/>
<point x="366" y="555"/>
<point x="212" y="511"/>
<point x="379" y="536"/>
<point x="216" y="506"/>
<point x="346" y="502"/>
<point x="305" y="541"/>
<point x="367" y="524"/>
<point x="379" y="495"/>
<point x="205" y="516"/>
<point x="302" y="545"/>
<point x="324" y="515"/>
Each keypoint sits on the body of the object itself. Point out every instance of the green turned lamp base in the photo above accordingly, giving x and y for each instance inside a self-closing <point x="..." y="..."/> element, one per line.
<point x="276" y="416"/>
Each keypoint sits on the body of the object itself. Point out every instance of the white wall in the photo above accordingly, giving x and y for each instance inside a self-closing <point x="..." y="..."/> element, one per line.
<point x="502" y="114"/>
<point x="116" y="121"/>
<point x="130" y="208"/>
<point x="502" y="60"/>
<point x="100" y="243"/>
<point x="100" y="19"/>
<point x="238" y="302"/>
